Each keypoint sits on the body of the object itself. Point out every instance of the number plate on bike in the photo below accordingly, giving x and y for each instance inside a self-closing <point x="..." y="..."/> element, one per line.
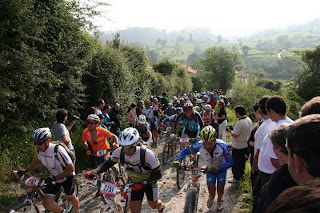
<point x="102" y="153"/>
<point x="184" y="140"/>
<point x="108" y="189"/>
<point x="32" y="182"/>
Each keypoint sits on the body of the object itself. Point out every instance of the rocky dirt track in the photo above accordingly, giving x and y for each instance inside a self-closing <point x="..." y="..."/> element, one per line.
<point x="173" y="198"/>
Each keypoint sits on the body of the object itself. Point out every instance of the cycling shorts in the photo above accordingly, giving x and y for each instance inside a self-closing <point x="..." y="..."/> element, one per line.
<point x="218" y="177"/>
<point x="68" y="186"/>
<point x="191" y="134"/>
<point x="151" y="190"/>
<point x="153" y="126"/>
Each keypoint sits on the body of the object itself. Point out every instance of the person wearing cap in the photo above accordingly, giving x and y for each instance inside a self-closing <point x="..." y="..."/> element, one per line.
<point x="143" y="128"/>
<point x="94" y="140"/>
<point x="170" y="110"/>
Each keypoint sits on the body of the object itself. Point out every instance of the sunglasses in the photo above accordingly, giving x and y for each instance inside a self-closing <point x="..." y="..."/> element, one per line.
<point x="127" y="147"/>
<point x="38" y="143"/>
<point x="92" y="123"/>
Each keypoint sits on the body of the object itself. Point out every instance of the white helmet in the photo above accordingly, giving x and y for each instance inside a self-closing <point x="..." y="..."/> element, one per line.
<point x="207" y="107"/>
<point x="128" y="136"/>
<point x="199" y="101"/>
<point x="93" y="117"/>
<point x="142" y="119"/>
<point x="40" y="134"/>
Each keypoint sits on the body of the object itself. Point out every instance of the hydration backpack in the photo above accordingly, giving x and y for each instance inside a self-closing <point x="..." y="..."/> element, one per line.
<point x="143" y="163"/>
<point x="70" y="153"/>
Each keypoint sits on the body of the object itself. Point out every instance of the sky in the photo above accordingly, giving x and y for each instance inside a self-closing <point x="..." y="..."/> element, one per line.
<point x="225" y="17"/>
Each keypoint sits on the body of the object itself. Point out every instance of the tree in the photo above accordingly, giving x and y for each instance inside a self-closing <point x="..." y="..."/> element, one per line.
<point x="190" y="38"/>
<point x="307" y="84"/>
<point x="217" y="68"/>
<point x="180" y="39"/>
<point x="164" y="43"/>
<point x="158" y="41"/>
<point x="245" y="50"/>
<point x="219" y="38"/>
<point x="116" y="40"/>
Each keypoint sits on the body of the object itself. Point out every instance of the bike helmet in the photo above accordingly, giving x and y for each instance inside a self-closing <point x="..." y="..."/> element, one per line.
<point x="93" y="117"/>
<point x="178" y="110"/>
<point x="155" y="100"/>
<point x="199" y="101"/>
<point x="188" y="107"/>
<point x="207" y="107"/>
<point x="208" y="133"/>
<point x="142" y="119"/>
<point x="197" y="108"/>
<point x="170" y="104"/>
<point x="175" y="98"/>
<point x="40" y="134"/>
<point x="128" y="136"/>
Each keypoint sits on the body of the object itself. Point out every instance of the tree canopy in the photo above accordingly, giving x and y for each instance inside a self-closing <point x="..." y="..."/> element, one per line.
<point x="217" y="68"/>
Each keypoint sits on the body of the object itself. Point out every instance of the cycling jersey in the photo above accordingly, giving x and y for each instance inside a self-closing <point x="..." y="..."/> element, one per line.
<point x="193" y="124"/>
<point x="55" y="165"/>
<point x="207" y="118"/>
<point x="101" y="143"/>
<point x="132" y="164"/>
<point x="220" y="157"/>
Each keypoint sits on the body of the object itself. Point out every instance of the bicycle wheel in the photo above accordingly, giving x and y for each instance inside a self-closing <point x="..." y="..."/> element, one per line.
<point x="26" y="207"/>
<point x="181" y="174"/>
<point x="190" y="204"/>
<point x="62" y="201"/>
<point x="109" y="177"/>
<point x="165" y="153"/>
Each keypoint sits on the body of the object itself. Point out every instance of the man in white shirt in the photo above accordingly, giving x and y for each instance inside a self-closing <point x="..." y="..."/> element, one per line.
<point x="240" y="135"/>
<point x="268" y="162"/>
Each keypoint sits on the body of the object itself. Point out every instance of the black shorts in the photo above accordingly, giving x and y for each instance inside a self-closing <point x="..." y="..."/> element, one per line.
<point x="68" y="186"/>
<point x="191" y="134"/>
<point x="151" y="190"/>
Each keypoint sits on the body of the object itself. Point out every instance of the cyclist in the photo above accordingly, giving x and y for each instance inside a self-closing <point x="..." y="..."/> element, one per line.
<point x="192" y="122"/>
<point x="149" y="112"/>
<point x="170" y="110"/>
<point x="217" y="158"/>
<point x="208" y="115"/>
<point x="143" y="128"/>
<point x="94" y="139"/>
<point x="61" y="169"/>
<point x="144" y="179"/>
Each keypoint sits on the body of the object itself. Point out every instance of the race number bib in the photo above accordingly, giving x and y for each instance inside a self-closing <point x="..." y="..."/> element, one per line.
<point x="184" y="140"/>
<point x="32" y="182"/>
<point x="108" y="189"/>
<point x="102" y="153"/>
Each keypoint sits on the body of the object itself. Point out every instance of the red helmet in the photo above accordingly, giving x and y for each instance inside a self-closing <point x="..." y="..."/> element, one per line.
<point x="188" y="107"/>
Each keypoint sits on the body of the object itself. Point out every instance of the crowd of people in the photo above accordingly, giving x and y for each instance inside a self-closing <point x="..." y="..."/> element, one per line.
<point x="283" y="152"/>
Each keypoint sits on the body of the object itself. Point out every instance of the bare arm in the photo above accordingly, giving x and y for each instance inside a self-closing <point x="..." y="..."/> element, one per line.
<point x="66" y="140"/>
<point x="67" y="171"/>
<point x="275" y="163"/>
<point x="233" y="134"/>
<point x="71" y="125"/>
<point x="255" y="162"/>
<point x="115" y="139"/>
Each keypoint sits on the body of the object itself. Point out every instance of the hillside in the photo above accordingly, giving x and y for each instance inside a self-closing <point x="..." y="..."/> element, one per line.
<point x="269" y="51"/>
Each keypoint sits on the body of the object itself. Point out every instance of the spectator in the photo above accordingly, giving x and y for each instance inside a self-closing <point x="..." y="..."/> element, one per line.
<point x="107" y="121"/>
<point x="222" y="120"/>
<point x="91" y="110"/>
<point x="99" y="106"/>
<point x="114" y="117"/>
<point x="164" y="101"/>
<point x="311" y="107"/>
<point x="280" y="180"/>
<point x="132" y="115"/>
<point x="258" y="171"/>
<point x="139" y="108"/>
<point x="239" y="138"/>
<point x="61" y="132"/>
<point x="305" y="198"/>
<point x="303" y="149"/>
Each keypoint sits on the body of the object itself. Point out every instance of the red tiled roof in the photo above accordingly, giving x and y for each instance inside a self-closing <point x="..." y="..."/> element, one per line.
<point x="190" y="70"/>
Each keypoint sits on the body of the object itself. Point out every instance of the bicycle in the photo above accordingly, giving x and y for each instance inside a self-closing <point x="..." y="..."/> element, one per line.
<point x="113" y="196"/>
<point x="182" y="171"/>
<point x="34" y="187"/>
<point x="193" y="189"/>
<point x="169" y="147"/>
